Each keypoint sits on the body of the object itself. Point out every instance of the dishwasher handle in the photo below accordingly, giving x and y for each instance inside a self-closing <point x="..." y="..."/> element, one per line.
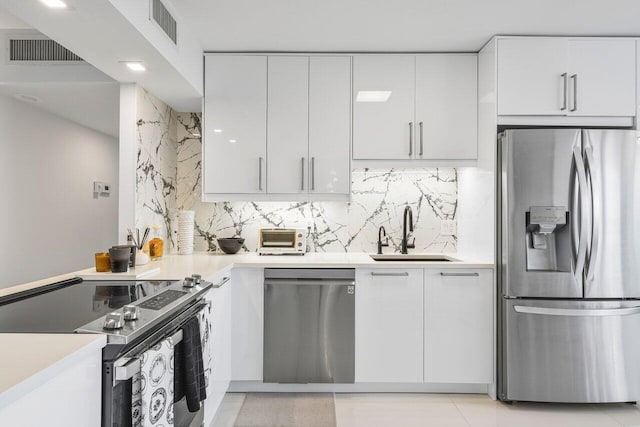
<point x="307" y="282"/>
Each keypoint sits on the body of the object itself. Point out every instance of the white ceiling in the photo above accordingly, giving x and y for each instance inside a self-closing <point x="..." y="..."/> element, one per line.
<point x="94" y="105"/>
<point x="8" y="20"/>
<point x="396" y="25"/>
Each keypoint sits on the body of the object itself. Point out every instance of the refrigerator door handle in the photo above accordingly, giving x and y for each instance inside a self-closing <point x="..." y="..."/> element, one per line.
<point x="581" y="254"/>
<point x="595" y="312"/>
<point x="595" y="215"/>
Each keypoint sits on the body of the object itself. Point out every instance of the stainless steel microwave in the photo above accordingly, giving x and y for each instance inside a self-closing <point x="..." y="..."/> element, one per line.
<point x="283" y="241"/>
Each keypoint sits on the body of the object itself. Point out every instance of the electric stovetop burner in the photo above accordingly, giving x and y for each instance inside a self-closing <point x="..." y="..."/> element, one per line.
<point x="67" y="306"/>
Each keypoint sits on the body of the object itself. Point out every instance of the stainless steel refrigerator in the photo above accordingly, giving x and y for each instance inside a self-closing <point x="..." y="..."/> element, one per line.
<point x="569" y="265"/>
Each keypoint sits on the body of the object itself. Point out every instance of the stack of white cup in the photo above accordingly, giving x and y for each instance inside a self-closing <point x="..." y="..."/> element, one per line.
<point x="186" y="226"/>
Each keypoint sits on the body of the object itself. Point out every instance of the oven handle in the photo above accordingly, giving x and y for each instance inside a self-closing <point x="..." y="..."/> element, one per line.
<point x="174" y="326"/>
<point x="127" y="371"/>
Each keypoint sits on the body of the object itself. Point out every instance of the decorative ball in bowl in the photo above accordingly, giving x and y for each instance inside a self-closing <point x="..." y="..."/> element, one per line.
<point x="230" y="245"/>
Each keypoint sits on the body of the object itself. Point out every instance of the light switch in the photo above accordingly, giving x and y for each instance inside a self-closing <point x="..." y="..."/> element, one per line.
<point x="101" y="188"/>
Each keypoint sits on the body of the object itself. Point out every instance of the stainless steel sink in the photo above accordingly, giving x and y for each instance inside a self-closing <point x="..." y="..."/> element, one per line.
<point x="414" y="257"/>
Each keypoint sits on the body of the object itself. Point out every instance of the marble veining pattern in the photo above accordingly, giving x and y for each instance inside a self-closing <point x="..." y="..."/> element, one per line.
<point x="378" y="198"/>
<point x="156" y="181"/>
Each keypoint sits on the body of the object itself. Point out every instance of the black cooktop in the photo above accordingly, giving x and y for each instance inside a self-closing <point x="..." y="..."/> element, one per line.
<point x="63" y="307"/>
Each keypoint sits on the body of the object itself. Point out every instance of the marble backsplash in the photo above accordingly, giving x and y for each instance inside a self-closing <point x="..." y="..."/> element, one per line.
<point x="378" y="199"/>
<point x="156" y="181"/>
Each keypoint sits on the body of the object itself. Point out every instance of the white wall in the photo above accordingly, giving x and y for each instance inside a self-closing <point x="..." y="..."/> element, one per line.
<point x="50" y="222"/>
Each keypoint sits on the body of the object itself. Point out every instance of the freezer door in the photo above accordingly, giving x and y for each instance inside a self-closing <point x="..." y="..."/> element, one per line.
<point x="571" y="351"/>
<point x="541" y="168"/>
<point x="612" y="159"/>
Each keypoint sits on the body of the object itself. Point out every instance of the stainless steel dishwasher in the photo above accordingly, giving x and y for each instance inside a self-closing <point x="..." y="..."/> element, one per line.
<point x="309" y="325"/>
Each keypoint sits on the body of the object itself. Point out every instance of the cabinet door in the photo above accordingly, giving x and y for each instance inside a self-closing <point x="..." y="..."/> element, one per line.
<point x="530" y="76"/>
<point x="330" y="124"/>
<point x="235" y="127"/>
<point x="602" y="77"/>
<point x="458" y="326"/>
<point x="383" y="109"/>
<point x="247" y="324"/>
<point x="389" y="325"/>
<point x="287" y="124"/>
<point x="447" y="106"/>
<point x="220" y="347"/>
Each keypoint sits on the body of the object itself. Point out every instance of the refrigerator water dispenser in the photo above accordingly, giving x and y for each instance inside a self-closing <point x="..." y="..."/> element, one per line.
<point x="548" y="239"/>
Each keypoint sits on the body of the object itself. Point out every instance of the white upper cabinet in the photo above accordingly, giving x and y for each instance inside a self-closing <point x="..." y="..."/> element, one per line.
<point x="602" y="77"/>
<point x="447" y="106"/>
<point x="415" y="107"/>
<point x="287" y="124"/>
<point x="389" y="325"/>
<point x="532" y="76"/>
<point x="458" y="326"/>
<point x="556" y="76"/>
<point x="384" y="102"/>
<point x="284" y="121"/>
<point x="329" y="125"/>
<point x="235" y="130"/>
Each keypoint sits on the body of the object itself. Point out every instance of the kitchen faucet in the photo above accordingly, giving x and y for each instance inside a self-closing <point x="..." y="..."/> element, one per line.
<point x="408" y="214"/>
<point x="381" y="231"/>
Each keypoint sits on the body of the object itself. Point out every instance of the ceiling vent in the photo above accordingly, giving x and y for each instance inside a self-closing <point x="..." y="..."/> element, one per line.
<point x="39" y="50"/>
<point x="165" y="20"/>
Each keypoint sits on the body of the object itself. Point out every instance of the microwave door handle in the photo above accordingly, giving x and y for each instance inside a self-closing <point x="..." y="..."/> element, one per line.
<point x="582" y="210"/>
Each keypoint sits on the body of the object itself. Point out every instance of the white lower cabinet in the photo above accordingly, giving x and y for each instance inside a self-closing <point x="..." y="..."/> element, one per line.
<point x="220" y="342"/>
<point x="71" y="397"/>
<point x="247" y="324"/>
<point x="458" y="326"/>
<point x="389" y="325"/>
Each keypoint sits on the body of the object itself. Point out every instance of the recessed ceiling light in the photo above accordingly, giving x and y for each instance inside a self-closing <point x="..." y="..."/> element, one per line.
<point x="28" y="98"/>
<point x="232" y="141"/>
<point x="54" y="4"/>
<point x="135" y="66"/>
<point x="217" y="130"/>
<point x="373" y="95"/>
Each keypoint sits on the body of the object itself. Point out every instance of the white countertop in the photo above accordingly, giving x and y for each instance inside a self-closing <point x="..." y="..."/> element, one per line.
<point x="29" y="360"/>
<point x="176" y="267"/>
<point x="33" y="358"/>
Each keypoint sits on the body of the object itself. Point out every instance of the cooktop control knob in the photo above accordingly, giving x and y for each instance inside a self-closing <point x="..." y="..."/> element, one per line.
<point x="114" y="321"/>
<point x="197" y="278"/>
<point x="131" y="312"/>
<point x="189" y="282"/>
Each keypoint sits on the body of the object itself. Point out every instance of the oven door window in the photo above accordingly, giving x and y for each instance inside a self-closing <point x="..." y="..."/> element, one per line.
<point x="279" y="239"/>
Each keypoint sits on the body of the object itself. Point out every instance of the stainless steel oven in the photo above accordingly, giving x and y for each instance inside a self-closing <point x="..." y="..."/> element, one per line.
<point x="134" y="315"/>
<point x="118" y="374"/>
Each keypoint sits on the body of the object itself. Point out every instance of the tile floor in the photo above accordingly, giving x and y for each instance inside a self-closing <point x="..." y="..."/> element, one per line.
<point x="453" y="410"/>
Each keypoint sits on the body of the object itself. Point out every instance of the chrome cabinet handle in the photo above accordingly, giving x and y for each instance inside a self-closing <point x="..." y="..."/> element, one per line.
<point x="410" y="139"/>
<point x="582" y="190"/>
<point x="259" y="173"/>
<point x="474" y="274"/>
<point x="313" y="173"/>
<point x="405" y="274"/>
<point x="222" y="282"/>
<point x="564" y="91"/>
<point x="595" y="213"/>
<point x="575" y="92"/>
<point x="302" y="173"/>
<point x="421" y="139"/>
<point x="576" y="311"/>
